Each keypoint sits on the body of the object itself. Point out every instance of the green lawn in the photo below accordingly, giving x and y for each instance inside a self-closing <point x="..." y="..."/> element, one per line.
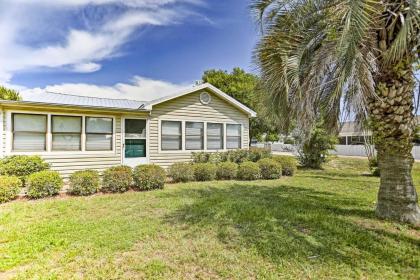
<point x="318" y="224"/>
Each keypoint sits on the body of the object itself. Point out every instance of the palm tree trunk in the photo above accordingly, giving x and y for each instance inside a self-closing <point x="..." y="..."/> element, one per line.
<point x="393" y="129"/>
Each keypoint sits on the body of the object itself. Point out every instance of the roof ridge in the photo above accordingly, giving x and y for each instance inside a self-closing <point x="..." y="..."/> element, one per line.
<point x="102" y="98"/>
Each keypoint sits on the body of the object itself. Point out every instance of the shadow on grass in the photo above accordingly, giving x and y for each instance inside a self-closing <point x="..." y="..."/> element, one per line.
<point x="284" y="223"/>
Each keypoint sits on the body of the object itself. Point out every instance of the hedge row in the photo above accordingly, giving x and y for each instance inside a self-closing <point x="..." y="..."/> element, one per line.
<point x="118" y="179"/>
<point x="237" y="156"/>
<point x="266" y="168"/>
<point x="47" y="183"/>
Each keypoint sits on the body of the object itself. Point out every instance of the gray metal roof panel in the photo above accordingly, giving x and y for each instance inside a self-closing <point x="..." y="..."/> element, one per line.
<point x="77" y="100"/>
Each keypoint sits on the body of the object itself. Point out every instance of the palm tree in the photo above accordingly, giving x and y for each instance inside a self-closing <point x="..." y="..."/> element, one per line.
<point x="342" y="57"/>
<point x="8" y="94"/>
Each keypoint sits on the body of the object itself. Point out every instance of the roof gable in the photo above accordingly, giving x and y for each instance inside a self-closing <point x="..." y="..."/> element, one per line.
<point x="209" y="87"/>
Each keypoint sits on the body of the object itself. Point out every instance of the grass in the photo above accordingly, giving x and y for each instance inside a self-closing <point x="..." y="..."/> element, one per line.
<point x="316" y="225"/>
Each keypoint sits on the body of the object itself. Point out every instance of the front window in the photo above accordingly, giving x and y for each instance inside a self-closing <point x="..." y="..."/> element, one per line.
<point x="171" y="139"/>
<point x="233" y="136"/>
<point x="214" y="136"/>
<point x="66" y="133"/>
<point x="99" y="134"/>
<point x="29" y="132"/>
<point x="194" y="135"/>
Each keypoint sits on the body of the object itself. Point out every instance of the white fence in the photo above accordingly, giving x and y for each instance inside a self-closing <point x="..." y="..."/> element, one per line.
<point x="342" y="150"/>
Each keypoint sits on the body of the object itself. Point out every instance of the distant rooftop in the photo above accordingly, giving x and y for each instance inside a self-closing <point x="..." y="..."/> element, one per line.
<point x="77" y="100"/>
<point x="351" y="126"/>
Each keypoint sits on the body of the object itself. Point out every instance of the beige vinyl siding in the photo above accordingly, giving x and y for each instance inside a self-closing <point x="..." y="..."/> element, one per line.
<point x="189" y="108"/>
<point x="3" y="132"/>
<point x="69" y="162"/>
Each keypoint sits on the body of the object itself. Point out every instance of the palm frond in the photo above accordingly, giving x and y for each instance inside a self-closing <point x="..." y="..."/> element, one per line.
<point x="408" y="36"/>
<point x="316" y="55"/>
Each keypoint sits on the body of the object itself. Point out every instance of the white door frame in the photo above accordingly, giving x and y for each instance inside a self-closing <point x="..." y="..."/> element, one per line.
<point x="134" y="161"/>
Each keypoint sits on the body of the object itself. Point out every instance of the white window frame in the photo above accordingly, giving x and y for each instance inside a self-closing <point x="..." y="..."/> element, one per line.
<point x="160" y="151"/>
<point x="112" y="133"/>
<point x="203" y="136"/>
<point x="45" y="134"/>
<point x="50" y="123"/>
<point x="182" y="136"/>
<point x="240" y="134"/>
<point x="9" y="133"/>
<point x="223" y="135"/>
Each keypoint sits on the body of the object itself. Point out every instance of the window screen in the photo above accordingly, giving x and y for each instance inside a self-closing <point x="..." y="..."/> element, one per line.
<point x="66" y="133"/>
<point x="99" y="134"/>
<point x="214" y="136"/>
<point x="233" y="136"/>
<point x="171" y="136"/>
<point x="29" y="132"/>
<point x="194" y="135"/>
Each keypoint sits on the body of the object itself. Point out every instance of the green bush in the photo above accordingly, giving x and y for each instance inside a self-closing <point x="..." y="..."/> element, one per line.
<point x="237" y="156"/>
<point x="255" y="154"/>
<point x="9" y="188"/>
<point x="181" y="172"/>
<point x="269" y="168"/>
<point x="288" y="164"/>
<point x="248" y="170"/>
<point x="374" y="166"/>
<point x="44" y="183"/>
<point x="314" y="152"/>
<point x="226" y="171"/>
<point x="22" y="166"/>
<point x="149" y="177"/>
<point x="117" y="179"/>
<point x="204" y="171"/>
<point x="200" y="157"/>
<point x="84" y="182"/>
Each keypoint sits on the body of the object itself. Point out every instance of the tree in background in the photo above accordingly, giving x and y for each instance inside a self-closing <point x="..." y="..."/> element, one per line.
<point x="342" y="57"/>
<point x="245" y="87"/>
<point x="8" y="94"/>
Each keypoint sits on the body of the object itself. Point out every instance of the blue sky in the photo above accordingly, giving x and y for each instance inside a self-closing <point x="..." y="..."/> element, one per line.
<point x="121" y="48"/>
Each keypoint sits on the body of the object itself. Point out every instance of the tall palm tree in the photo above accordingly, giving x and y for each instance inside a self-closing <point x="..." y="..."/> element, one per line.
<point x="343" y="57"/>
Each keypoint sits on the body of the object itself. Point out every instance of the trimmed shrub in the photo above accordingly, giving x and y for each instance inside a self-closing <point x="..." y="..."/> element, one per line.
<point x="374" y="167"/>
<point x="288" y="164"/>
<point x="269" y="168"/>
<point x="84" y="182"/>
<point x="149" y="177"/>
<point x="204" y="171"/>
<point x="248" y="171"/>
<point x="117" y="179"/>
<point x="9" y="188"/>
<point x="181" y="172"/>
<point x="200" y="157"/>
<point x="22" y="166"/>
<point x="44" y="183"/>
<point x="255" y="154"/>
<point x="237" y="156"/>
<point x="226" y="171"/>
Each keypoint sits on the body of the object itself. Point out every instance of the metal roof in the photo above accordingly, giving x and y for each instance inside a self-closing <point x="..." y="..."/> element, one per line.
<point x="77" y="100"/>
<point x="62" y="99"/>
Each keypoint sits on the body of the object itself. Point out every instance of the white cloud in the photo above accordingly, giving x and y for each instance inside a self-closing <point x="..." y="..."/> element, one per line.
<point x="140" y="88"/>
<point x="86" y="67"/>
<point x="82" y="49"/>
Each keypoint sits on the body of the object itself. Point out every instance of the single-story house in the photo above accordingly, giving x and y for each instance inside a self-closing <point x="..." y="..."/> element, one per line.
<point x="353" y="134"/>
<point x="75" y="132"/>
